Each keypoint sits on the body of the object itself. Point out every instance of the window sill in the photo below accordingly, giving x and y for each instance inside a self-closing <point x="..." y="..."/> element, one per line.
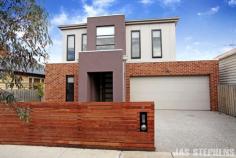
<point x="105" y="50"/>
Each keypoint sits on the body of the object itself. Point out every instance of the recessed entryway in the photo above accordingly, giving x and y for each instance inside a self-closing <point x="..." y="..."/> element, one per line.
<point x="172" y="92"/>
<point x="101" y="86"/>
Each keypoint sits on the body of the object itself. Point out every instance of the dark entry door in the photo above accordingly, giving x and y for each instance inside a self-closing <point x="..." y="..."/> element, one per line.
<point x="69" y="88"/>
<point x="101" y="84"/>
<point x="106" y="87"/>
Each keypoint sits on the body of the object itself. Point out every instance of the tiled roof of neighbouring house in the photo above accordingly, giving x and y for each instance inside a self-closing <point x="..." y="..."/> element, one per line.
<point x="36" y="71"/>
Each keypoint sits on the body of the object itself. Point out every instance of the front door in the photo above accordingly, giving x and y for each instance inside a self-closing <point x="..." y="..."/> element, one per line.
<point x="101" y="86"/>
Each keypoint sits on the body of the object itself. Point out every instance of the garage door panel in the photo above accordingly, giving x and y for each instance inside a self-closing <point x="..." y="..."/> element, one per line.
<point x="187" y="92"/>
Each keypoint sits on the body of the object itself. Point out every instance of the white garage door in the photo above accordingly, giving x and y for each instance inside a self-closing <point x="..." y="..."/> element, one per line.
<point x="185" y="92"/>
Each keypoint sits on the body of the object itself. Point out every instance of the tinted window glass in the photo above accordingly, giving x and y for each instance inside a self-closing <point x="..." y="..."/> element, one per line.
<point x="69" y="88"/>
<point x="156" y="43"/>
<point x="135" y="44"/>
<point x="71" y="47"/>
<point x="105" y="38"/>
<point x="84" y="42"/>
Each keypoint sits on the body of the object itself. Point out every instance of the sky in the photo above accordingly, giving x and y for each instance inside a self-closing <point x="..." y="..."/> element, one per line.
<point x="206" y="28"/>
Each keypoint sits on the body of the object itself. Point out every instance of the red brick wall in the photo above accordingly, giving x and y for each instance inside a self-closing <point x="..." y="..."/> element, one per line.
<point x="56" y="76"/>
<point x="96" y="125"/>
<point x="55" y="81"/>
<point x="180" y="68"/>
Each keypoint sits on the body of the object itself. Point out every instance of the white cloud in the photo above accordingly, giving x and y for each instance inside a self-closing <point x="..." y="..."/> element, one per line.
<point x="163" y="3"/>
<point x="232" y="2"/>
<point x="188" y="38"/>
<point x="64" y="17"/>
<point x="201" y="50"/>
<point x="194" y="52"/>
<point x="196" y="43"/>
<point x="59" y="19"/>
<point x="146" y="2"/>
<point x="103" y="3"/>
<point x="98" y="7"/>
<point x="211" y="11"/>
<point x="170" y="2"/>
<point x="55" y="51"/>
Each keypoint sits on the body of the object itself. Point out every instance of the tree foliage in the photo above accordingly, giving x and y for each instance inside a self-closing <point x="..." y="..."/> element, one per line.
<point x="24" y="37"/>
<point x="8" y="99"/>
<point x="40" y="89"/>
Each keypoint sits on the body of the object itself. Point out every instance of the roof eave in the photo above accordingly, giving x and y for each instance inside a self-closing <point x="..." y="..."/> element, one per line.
<point x="152" y="21"/>
<point x="129" y="22"/>
<point x="226" y="54"/>
<point x="74" y="26"/>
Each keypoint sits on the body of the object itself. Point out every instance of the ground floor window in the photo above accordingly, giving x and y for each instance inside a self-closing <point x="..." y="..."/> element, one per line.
<point x="34" y="82"/>
<point x="69" y="88"/>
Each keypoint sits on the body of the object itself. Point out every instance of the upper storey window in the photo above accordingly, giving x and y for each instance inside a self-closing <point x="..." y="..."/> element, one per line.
<point x="105" y="37"/>
<point x="156" y="44"/>
<point x="84" y="42"/>
<point x="70" y="47"/>
<point x="135" y="45"/>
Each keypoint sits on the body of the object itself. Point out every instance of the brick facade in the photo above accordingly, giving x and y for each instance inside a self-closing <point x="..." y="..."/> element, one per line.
<point x="56" y="76"/>
<point x="179" y="68"/>
<point x="55" y="81"/>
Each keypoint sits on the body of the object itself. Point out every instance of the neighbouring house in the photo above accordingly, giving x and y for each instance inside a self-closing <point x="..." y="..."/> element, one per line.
<point x="113" y="59"/>
<point x="227" y="82"/>
<point x="227" y="67"/>
<point x="29" y="90"/>
<point x="30" y="79"/>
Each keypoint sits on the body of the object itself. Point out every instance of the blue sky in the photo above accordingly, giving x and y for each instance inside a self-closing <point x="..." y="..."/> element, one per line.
<point x="206" y="28"/>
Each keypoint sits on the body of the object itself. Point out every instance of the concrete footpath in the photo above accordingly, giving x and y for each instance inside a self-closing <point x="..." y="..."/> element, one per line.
<point x="20" y="151"/>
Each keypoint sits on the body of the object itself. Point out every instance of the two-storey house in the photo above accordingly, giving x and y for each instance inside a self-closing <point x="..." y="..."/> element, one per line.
<point x="113" y="59"/>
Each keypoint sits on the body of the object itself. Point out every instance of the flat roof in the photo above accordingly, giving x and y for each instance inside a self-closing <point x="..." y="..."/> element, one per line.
<point x="127" y="22"/>
<point x="226" y="54"/>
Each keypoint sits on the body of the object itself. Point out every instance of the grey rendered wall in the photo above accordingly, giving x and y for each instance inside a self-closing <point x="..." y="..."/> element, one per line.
<point x="101" y="62"/>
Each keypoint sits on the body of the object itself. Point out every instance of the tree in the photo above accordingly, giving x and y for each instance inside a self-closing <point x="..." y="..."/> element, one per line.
<point x="40" y="90"/>
<point x="24" y="37"/>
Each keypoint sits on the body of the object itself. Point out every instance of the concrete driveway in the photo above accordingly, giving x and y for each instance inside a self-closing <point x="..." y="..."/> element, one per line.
<point x="194" y="129"/>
